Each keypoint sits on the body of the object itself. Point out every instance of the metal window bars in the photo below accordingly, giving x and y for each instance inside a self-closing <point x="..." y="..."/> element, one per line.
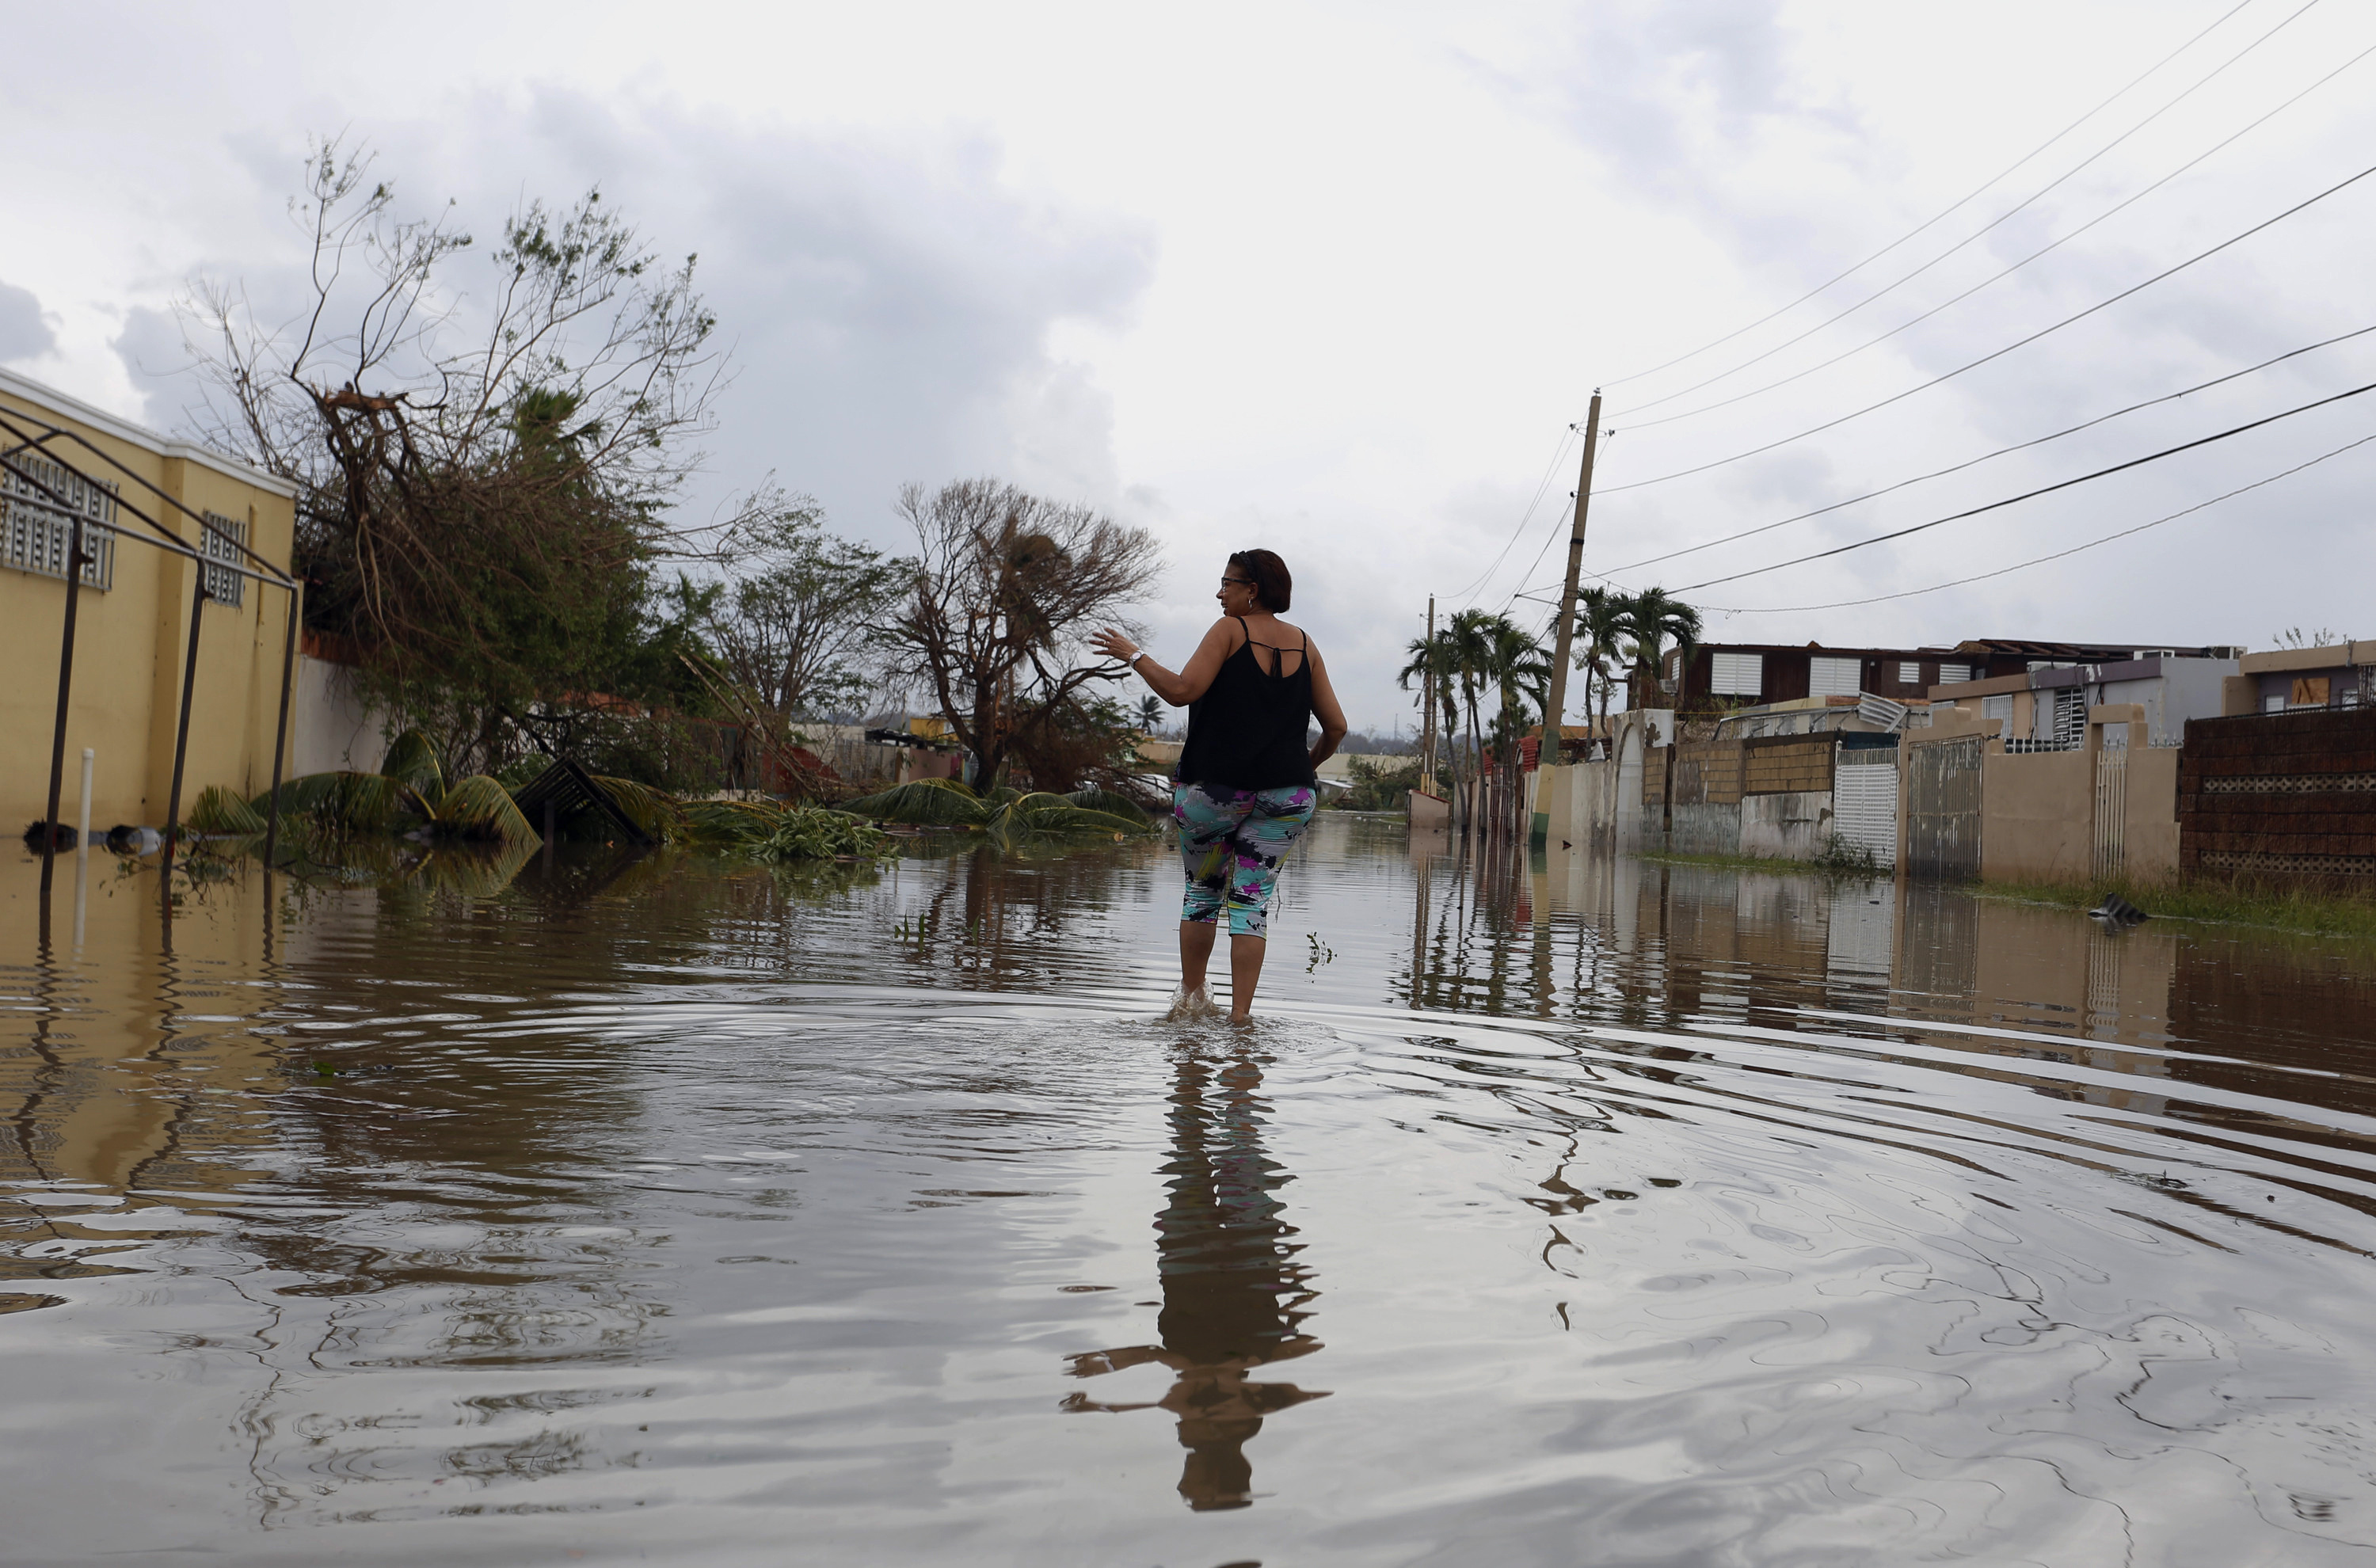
<point x="220" y="542"/>
<point x="41" y="510"/>
<point x="29" y="465"/>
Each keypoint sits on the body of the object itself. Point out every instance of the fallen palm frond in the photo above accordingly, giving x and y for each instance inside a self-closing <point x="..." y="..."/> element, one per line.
<point x="1005" y="815"/>
<point x="657" y="816"/>
<point x="1094" y="797"/>
<point x="1054" y="815"/>
<point x="478" y="807"/>
<point x="732" y="821"/>
<point x="347" y="803"/>
<point x="220" y="810"/>
<point x="820" y="833"/>
<point x="411" y="761"/>
<point x="925" y="802"/>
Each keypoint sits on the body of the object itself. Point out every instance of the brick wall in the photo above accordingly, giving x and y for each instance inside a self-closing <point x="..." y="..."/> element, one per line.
<point x="1707" y="774"/>
<point x="2284" y="794"/>
<point x="1787" y="765"/>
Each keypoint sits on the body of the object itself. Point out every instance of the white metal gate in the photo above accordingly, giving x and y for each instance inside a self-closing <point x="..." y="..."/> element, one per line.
<point x="1864" y="802"/>
<point x="2111" y="857"/>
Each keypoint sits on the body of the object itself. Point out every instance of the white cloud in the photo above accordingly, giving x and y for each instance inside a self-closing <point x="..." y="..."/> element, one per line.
<point x="1334" y="278"/>
<point x="26" y="333"/>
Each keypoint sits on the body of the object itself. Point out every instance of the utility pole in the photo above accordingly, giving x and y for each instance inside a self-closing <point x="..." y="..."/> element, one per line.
<point x="1556" y="706"/>
<point x="1427" y="707"/>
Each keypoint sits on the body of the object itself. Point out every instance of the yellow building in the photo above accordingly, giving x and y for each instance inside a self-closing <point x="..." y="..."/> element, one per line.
<point x="134" y="613"/>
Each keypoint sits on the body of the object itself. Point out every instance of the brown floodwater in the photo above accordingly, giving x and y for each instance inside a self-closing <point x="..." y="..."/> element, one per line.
<point x="674" y="1210"/>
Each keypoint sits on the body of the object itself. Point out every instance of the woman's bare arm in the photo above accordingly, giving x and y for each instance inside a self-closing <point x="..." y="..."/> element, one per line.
<point x="1188" y="684"/>
<point x="1324" y="708"/>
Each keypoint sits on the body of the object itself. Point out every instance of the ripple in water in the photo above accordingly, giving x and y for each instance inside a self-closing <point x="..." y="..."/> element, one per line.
<point x="1607" y="1214"/>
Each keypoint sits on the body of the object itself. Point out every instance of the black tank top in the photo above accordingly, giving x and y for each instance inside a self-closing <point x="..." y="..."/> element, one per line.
<point x="1247" y="730"/>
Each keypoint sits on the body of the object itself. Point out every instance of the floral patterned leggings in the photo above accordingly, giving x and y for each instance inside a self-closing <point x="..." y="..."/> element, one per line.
<point x="1231" y="841"/>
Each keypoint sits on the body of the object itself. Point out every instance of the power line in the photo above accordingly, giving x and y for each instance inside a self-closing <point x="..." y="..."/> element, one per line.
<point x="2008" y="348"/>
<point x="2042" y="560"/>
<point x="1948" y="212"/>
<point x="2001" y="451"/>
<point x="2032" y="495"/>
<point x="1544" y="483"/>
<point x="1566" y="512"/>
<point x="1993" y="279"/>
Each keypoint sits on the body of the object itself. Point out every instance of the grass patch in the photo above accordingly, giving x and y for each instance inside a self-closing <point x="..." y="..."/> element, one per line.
<point x="2321" y="911"/>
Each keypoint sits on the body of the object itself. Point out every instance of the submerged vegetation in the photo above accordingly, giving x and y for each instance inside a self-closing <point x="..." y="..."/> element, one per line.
<point x="1006" y="816"/>
<point x="2329" y="911"/>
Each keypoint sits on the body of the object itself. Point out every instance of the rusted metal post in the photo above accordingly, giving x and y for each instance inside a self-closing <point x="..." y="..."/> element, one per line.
<point x="75" y="559"/>
<point x="280" y="735"/>
<point x="182" y="731"/>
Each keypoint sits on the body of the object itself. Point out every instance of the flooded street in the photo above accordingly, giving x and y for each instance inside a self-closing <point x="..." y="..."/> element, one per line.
<point x="678" y="1211"/>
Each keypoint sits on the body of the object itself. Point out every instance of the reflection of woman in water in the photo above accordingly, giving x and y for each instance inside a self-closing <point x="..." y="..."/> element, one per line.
<point x="1233" y="1297"/>
<point x="1246" y="785"/>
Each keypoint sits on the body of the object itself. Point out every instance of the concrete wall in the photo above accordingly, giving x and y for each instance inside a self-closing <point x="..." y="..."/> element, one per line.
<point x="1706" y="829"/>
<point x="332" y="729"/>
<point x="131" y="639"/>
<point x="1795" y="827"/>
<point x="2184" y="689"/>
<point x="2151" y="830"/>
<point x="2038" y="815"/>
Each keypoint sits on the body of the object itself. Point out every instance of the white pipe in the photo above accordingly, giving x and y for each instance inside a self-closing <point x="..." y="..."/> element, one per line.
<point x="82" y="851"/>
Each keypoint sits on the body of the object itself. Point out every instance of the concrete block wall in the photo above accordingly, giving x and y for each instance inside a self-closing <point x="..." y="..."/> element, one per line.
<point x="1788" y="764"/>
<point x="1707" y="773"/>
<point x="2280" y="794"/>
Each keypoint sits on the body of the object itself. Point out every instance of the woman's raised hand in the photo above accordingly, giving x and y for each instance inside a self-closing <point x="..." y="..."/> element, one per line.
<point x="1113" y="645"/>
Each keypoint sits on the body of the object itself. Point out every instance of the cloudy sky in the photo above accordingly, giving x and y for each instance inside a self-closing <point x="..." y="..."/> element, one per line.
<point x="1338" y="280"/>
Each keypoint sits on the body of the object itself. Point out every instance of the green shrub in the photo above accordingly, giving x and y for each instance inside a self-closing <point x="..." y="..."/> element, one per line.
<point x="820" y="833"/>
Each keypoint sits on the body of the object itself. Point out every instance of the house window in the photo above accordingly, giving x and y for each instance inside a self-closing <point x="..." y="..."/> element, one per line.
<point x="1831" y="677"/>
<point x="1950" y="674"/>
<point x="41" y="503"/>
<point x="1736" y="674"/>
<point x="1910" y="673"/>
<point x="2273" y="705"/>
<point x="219" y="541"/>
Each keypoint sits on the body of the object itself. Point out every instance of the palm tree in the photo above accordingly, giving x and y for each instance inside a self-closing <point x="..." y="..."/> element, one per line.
<point x="1437" y="662"/>
<point x="1517" y="664"/>
<point x="1650" y="618"/>
<point x="1599" y="631"/>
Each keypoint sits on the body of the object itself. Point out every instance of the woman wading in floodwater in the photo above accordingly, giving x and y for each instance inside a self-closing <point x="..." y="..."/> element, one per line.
<point x="1246" y="784"/>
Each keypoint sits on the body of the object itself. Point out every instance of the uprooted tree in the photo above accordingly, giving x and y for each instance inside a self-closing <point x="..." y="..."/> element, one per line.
<point x="1003" y="589"/>
<point x="483" y="473"/>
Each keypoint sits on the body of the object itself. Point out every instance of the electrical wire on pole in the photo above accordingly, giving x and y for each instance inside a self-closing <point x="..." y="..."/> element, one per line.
<point x="2000" y="452"/>
<point x="1632" y="415"/>
<point x="2229" y="432"/>
<point x="2023" y="343"/>
<point x="1995" y="277"/>
<point x="1950" y="210"/>
<point x="1541" y="485"/>
<point x="2042" y="560"/>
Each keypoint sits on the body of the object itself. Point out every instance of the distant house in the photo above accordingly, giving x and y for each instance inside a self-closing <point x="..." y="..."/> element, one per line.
<point x="1723" y="675"/>
<point x="2341" y="676"/>
<point x="2046" y="704"/>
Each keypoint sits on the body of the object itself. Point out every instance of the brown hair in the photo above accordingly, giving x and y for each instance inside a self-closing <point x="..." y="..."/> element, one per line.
<point x="1274" y="586"/>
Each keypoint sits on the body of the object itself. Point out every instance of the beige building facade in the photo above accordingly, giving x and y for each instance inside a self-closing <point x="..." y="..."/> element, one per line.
<point x="134" y="610"/>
